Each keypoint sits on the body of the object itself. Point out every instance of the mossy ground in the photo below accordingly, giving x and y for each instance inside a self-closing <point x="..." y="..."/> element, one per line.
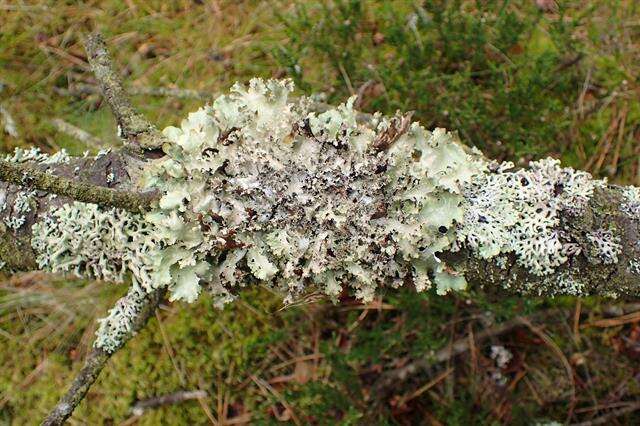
<point x="513" y="80"/>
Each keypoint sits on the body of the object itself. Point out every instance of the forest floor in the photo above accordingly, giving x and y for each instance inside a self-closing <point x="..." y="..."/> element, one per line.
<point x="519" y="80"/>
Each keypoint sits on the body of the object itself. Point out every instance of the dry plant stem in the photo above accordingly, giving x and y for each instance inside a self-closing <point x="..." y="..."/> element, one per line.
<point x="173" y="398"/>
<point x="169" y="92"/>
<point x="94" y="364"/>
<point x="77" y="133"/>
<point x="134" y="127"/>
<point x="26" y="175"/>
<point x="609" y="417"/>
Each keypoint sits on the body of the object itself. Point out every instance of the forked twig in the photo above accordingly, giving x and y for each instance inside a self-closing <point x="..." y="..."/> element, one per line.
<point x="136" y="130"/>
<point x="134" y="127"/>
<point x="95" y="362"/>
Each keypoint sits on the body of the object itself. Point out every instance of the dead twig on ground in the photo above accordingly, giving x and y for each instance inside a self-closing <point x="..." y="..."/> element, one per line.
<point x="77" y="133"/>
<point x="174" y="398"/>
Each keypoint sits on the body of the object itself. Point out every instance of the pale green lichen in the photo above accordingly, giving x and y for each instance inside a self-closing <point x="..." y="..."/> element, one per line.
<point x="17" y="215"/>
<point x="519" y="212"/>
<point x="305" y="199"/>
<point x="258" y="189"/>
<point x="119" y="323"/>
<point x="631" y="204"/>
<point x="21" y="155"/>
<point x="105" y="244"/>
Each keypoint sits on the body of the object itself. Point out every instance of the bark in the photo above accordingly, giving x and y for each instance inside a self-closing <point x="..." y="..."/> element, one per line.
<point x="83" y="179"/>
<point x="133" y="126"/>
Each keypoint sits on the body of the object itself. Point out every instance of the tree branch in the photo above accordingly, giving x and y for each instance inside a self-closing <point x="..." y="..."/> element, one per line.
<point x="76" y="132"/>
<point x="134" y="127"/>
<point x="27" y="175"/>
<point x="95" y="363"/>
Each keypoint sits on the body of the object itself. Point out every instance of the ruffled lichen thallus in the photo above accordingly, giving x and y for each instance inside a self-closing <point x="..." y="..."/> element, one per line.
<point x="256" y="188"/>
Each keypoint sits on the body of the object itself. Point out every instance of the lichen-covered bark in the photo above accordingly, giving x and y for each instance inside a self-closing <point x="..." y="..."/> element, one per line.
<point x="585" y="273"/>
<point x="259" y="188"/>
<point x="96" y="361"/>
<point x="85" y="178"/>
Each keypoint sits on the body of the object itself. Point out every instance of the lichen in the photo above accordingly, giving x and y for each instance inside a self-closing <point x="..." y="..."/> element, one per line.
<point x="631" y="204"/>
<point x="21" y="207"/>
<point x="297" y="198"/>
<point x="105" y="244"/>
<point x="120" y="322"/>
<point x="605" y="245"/>
<point x="519" y="212"/>
<point x="34" y="155"/>
<point x="634" y="266"/>
<point x="259" y="189"/>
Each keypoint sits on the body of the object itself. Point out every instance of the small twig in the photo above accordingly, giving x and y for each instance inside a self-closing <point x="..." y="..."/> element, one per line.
<point x="77" y="133"/>
<point x="27" y="175"/>
<point x="95" y="362"/>
<point x="169" y="92"/>
<point x="9" y="123"/>
<point x="607" y="418"/>
<point x="175" y="398"/>
<point x="134" y="127"/>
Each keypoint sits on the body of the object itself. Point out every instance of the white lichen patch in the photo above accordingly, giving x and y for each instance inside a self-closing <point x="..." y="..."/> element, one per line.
<point x="21" y="207"/>
<point x="519" y="211"/>
<point x="631" y="205"/>
<point x="605" y="245"/>
<point x="34" y="155"/>
<point x="103" y="244"/>
<point x="563" y="283"/>
<point x="119" y="323"/>
<point x="634" y="266"/>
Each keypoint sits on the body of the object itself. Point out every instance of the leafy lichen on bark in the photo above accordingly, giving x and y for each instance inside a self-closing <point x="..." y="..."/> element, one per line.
<point x="255" y="188"/>
<point x="584" y="273"/>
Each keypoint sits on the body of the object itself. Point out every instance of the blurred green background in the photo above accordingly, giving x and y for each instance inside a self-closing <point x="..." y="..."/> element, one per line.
<point x="517" y="79"/>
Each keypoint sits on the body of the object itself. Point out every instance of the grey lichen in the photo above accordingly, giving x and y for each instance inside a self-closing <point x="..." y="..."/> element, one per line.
<point x="605" y="245"/>
<point x="519" y="212"/>
<point x="631" y="204"/>
<point x="34" y="155"/>
<point x="258" y="189"/>
<point x="120" y="321"/>
<point x="21" y="207"/>
<point x="105" y="244"/>
<point x="293" y="198"/>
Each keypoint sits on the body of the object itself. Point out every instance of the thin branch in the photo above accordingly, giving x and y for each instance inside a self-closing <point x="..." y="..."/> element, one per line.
<point x="174" y="398"/>
<point x="95" y="363"/>
<point x="134" y="127"/>
<point x="27" y="175"/>
<point x="77" y="133"/>
<point x="169" y="92"/>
